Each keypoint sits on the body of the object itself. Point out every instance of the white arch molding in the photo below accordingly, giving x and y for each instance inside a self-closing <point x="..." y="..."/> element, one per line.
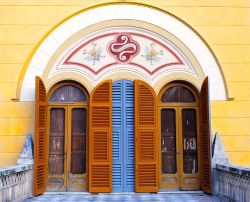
<point x="68" y="28"/>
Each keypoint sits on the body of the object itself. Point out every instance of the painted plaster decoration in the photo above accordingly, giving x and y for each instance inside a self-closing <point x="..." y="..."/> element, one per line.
<point x="152" y="54"/>
<point x="93" y="54"/>
<point x="189" y="143"/>
<point x="123" y="48"/>
<point x="127" y="49"/>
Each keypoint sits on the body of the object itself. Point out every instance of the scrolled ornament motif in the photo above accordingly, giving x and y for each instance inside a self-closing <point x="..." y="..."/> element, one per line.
<point x="123" y="48"/>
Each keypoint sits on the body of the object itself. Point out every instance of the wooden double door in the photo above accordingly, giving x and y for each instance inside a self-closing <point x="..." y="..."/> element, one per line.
<point x="180" y="138"/>
<point x="180" y="152"/>
<point x="67" y="148"/>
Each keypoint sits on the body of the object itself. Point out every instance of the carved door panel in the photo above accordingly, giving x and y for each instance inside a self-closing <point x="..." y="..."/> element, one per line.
<point x="77" y="149"/>
<point x="57" y="149"/>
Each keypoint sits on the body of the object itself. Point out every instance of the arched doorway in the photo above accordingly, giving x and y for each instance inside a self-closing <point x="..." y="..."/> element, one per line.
<point x="61" y="137"/>
<point x="149" y="43"/>
<point x="67" y="112"/>
<point x="180" y="140"/>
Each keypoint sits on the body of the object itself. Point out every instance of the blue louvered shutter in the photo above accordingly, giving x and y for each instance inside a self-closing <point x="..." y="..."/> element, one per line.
<point x="123" y="136"/>
<point x="129" y="136"/>
<point x="117" y="144"/>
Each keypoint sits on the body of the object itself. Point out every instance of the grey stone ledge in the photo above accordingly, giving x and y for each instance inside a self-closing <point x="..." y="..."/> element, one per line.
<point x="14" y="169"/>
<point x="241" y="171"/>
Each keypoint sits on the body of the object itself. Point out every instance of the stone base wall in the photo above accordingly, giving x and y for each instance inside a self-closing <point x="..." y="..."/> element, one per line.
<point x="232" y="183"/>
<point x="16" y="183"/>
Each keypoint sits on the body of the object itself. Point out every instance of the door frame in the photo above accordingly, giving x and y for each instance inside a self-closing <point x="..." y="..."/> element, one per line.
<point x="68" y="114"/>
<point x="178" y="107"/>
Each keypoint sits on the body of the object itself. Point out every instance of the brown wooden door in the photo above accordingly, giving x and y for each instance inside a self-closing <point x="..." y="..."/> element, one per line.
<point x="57" y="149"/>
<point x="77" y="149"/>
<point x="180" y="139"/>
<point x="189" y="145"/>
<point x="180" y="164"/>
<point x="169" y="149"/>
<point x="67" y="148"/>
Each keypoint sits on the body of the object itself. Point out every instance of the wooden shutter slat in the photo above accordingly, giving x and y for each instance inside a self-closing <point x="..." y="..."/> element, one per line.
<point x="40" y="146"/>
<point x="100" y="146"/>
<point x="206" y="181"/>
<point x="146" y="139"/>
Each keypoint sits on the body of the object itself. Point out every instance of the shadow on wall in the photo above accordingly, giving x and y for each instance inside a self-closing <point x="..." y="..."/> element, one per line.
<point x="230" y="182"/>
<point x="16" y="182"/>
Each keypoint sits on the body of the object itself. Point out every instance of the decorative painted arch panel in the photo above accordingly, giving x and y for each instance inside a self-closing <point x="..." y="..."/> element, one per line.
<point x="151" y="62"/>
<point x="116" y="46"/>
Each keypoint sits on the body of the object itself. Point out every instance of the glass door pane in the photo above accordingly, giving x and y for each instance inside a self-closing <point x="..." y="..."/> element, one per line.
<point x="189" y="133"/>
<point x="56" y="148"/>
<point x="78" y="141"/>
<point x="77" y="167"/>
<point x="168" y="141"/>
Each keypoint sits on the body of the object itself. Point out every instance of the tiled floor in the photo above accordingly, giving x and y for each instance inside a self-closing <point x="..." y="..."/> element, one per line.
<point x="132" y="197"/>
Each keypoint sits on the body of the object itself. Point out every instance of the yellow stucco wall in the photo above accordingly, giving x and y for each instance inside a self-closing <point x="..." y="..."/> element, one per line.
<point x="224" y="24"/>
